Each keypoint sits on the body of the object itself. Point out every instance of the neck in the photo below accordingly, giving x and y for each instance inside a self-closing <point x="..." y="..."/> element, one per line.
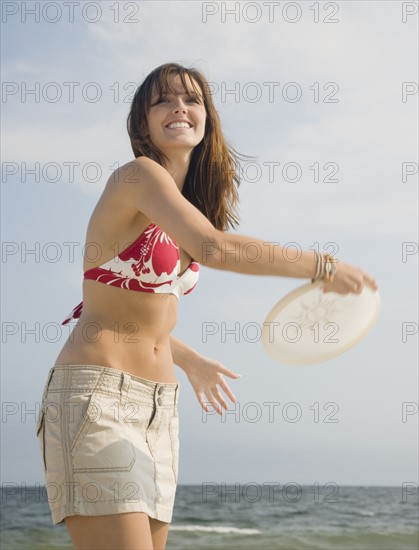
<point x="178" y="166"/>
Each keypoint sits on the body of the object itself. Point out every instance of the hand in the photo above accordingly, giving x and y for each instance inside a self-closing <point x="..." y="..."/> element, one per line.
<point x="349" y="279"/>
<point x="204" y="374"/>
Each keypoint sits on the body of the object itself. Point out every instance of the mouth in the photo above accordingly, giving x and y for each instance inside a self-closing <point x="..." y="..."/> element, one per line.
<point x="179" y="126"/>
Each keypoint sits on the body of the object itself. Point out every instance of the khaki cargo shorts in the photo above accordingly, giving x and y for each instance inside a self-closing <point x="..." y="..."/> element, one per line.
<point x="109" y="442"/>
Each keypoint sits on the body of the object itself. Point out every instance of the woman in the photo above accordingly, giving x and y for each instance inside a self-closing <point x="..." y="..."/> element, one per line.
<point x="108" y="428"/>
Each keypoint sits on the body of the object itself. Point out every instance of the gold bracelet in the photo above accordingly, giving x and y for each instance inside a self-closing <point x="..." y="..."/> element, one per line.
<point x="317" y="260"/>
<point x="330" y="268"/>
<point x="325" y="268"/>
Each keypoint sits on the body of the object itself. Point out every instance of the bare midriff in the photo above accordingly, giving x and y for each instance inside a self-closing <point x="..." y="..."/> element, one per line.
<point x="123" y="329"/>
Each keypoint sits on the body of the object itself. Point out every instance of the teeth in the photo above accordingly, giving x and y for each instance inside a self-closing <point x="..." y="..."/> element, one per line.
<point x="179" y="125"/>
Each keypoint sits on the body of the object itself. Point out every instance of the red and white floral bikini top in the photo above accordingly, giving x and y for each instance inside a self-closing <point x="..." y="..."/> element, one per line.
<point x="150" y="264"/>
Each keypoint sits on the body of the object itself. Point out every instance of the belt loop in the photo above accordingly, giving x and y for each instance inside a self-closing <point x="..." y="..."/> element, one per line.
<point x="177" y="394"/>
<point x="126" y="383"/>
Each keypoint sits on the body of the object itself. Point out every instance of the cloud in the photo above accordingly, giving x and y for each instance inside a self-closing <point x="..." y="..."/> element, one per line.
<point x="368" y="133"/>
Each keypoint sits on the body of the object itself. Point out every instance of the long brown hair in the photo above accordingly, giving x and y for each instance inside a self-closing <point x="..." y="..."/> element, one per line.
<point x="213" y="177"/>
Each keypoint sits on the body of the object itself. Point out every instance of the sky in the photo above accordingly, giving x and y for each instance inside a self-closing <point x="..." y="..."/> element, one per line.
<point x="336" y="89"/>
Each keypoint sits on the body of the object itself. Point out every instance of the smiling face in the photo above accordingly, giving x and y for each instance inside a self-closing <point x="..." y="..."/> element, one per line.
<point x="176" y="118"/>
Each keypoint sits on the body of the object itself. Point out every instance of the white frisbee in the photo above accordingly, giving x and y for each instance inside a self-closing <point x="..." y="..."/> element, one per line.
<point x="308" y="326"/>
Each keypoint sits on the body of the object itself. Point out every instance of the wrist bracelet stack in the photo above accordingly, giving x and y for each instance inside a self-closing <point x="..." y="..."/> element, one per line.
<point x="325" y="268"/>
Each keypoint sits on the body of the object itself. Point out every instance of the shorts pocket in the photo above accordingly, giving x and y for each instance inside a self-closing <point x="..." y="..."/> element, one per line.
<point x="100" y="442"/>
<point x="81" y="410"/>
<point x="174" y="441"/>
<point x="40" y="434"/>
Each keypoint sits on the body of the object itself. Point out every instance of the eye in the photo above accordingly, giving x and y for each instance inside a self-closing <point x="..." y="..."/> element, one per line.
<point x="194" y="99"/>
<point x="160" y="99"/>
<point x="190" y="98"/>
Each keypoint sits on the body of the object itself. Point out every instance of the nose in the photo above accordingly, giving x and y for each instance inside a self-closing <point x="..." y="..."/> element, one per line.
<point x="179" y="106"/>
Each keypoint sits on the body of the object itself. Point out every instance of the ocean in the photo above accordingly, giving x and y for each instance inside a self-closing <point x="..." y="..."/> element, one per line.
<point x="247" y="516"/>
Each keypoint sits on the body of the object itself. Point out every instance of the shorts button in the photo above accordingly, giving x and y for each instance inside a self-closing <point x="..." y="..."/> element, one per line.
<point x="159" y="400"/>
<point x="92" y="412"/>
<point x="160" y="390"/>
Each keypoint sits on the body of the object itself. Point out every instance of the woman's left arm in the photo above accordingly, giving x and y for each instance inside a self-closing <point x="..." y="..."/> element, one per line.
<point x="204" y="374"/>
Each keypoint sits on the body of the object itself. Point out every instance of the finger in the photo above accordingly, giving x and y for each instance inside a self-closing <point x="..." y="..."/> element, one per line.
<point x="337" y="291"/>
<point x="228" y="372"/>
<point x="358" y="288"/>
<point x="370" y="281"/>
<point x="212" y="400"/>
<point x="202" y="401"/>
<point x="220" y="398"/>
<point x="227" y="390"/>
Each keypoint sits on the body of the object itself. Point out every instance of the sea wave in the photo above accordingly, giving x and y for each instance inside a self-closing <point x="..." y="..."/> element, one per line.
<point x="216" y="529"/>
<point x="366" y="513"/>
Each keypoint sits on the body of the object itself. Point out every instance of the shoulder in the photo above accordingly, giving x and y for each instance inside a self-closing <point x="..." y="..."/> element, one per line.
<point x="146" y="164"/>
<point x="139" y="170"/>
<point x="139" y="180"/>
<point x="135" y="166"/>
<point x="145" y="161"/>
<point x="132" y="173"/>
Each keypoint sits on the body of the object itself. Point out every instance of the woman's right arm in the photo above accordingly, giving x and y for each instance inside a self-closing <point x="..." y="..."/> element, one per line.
<point x="147" y="186"/>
